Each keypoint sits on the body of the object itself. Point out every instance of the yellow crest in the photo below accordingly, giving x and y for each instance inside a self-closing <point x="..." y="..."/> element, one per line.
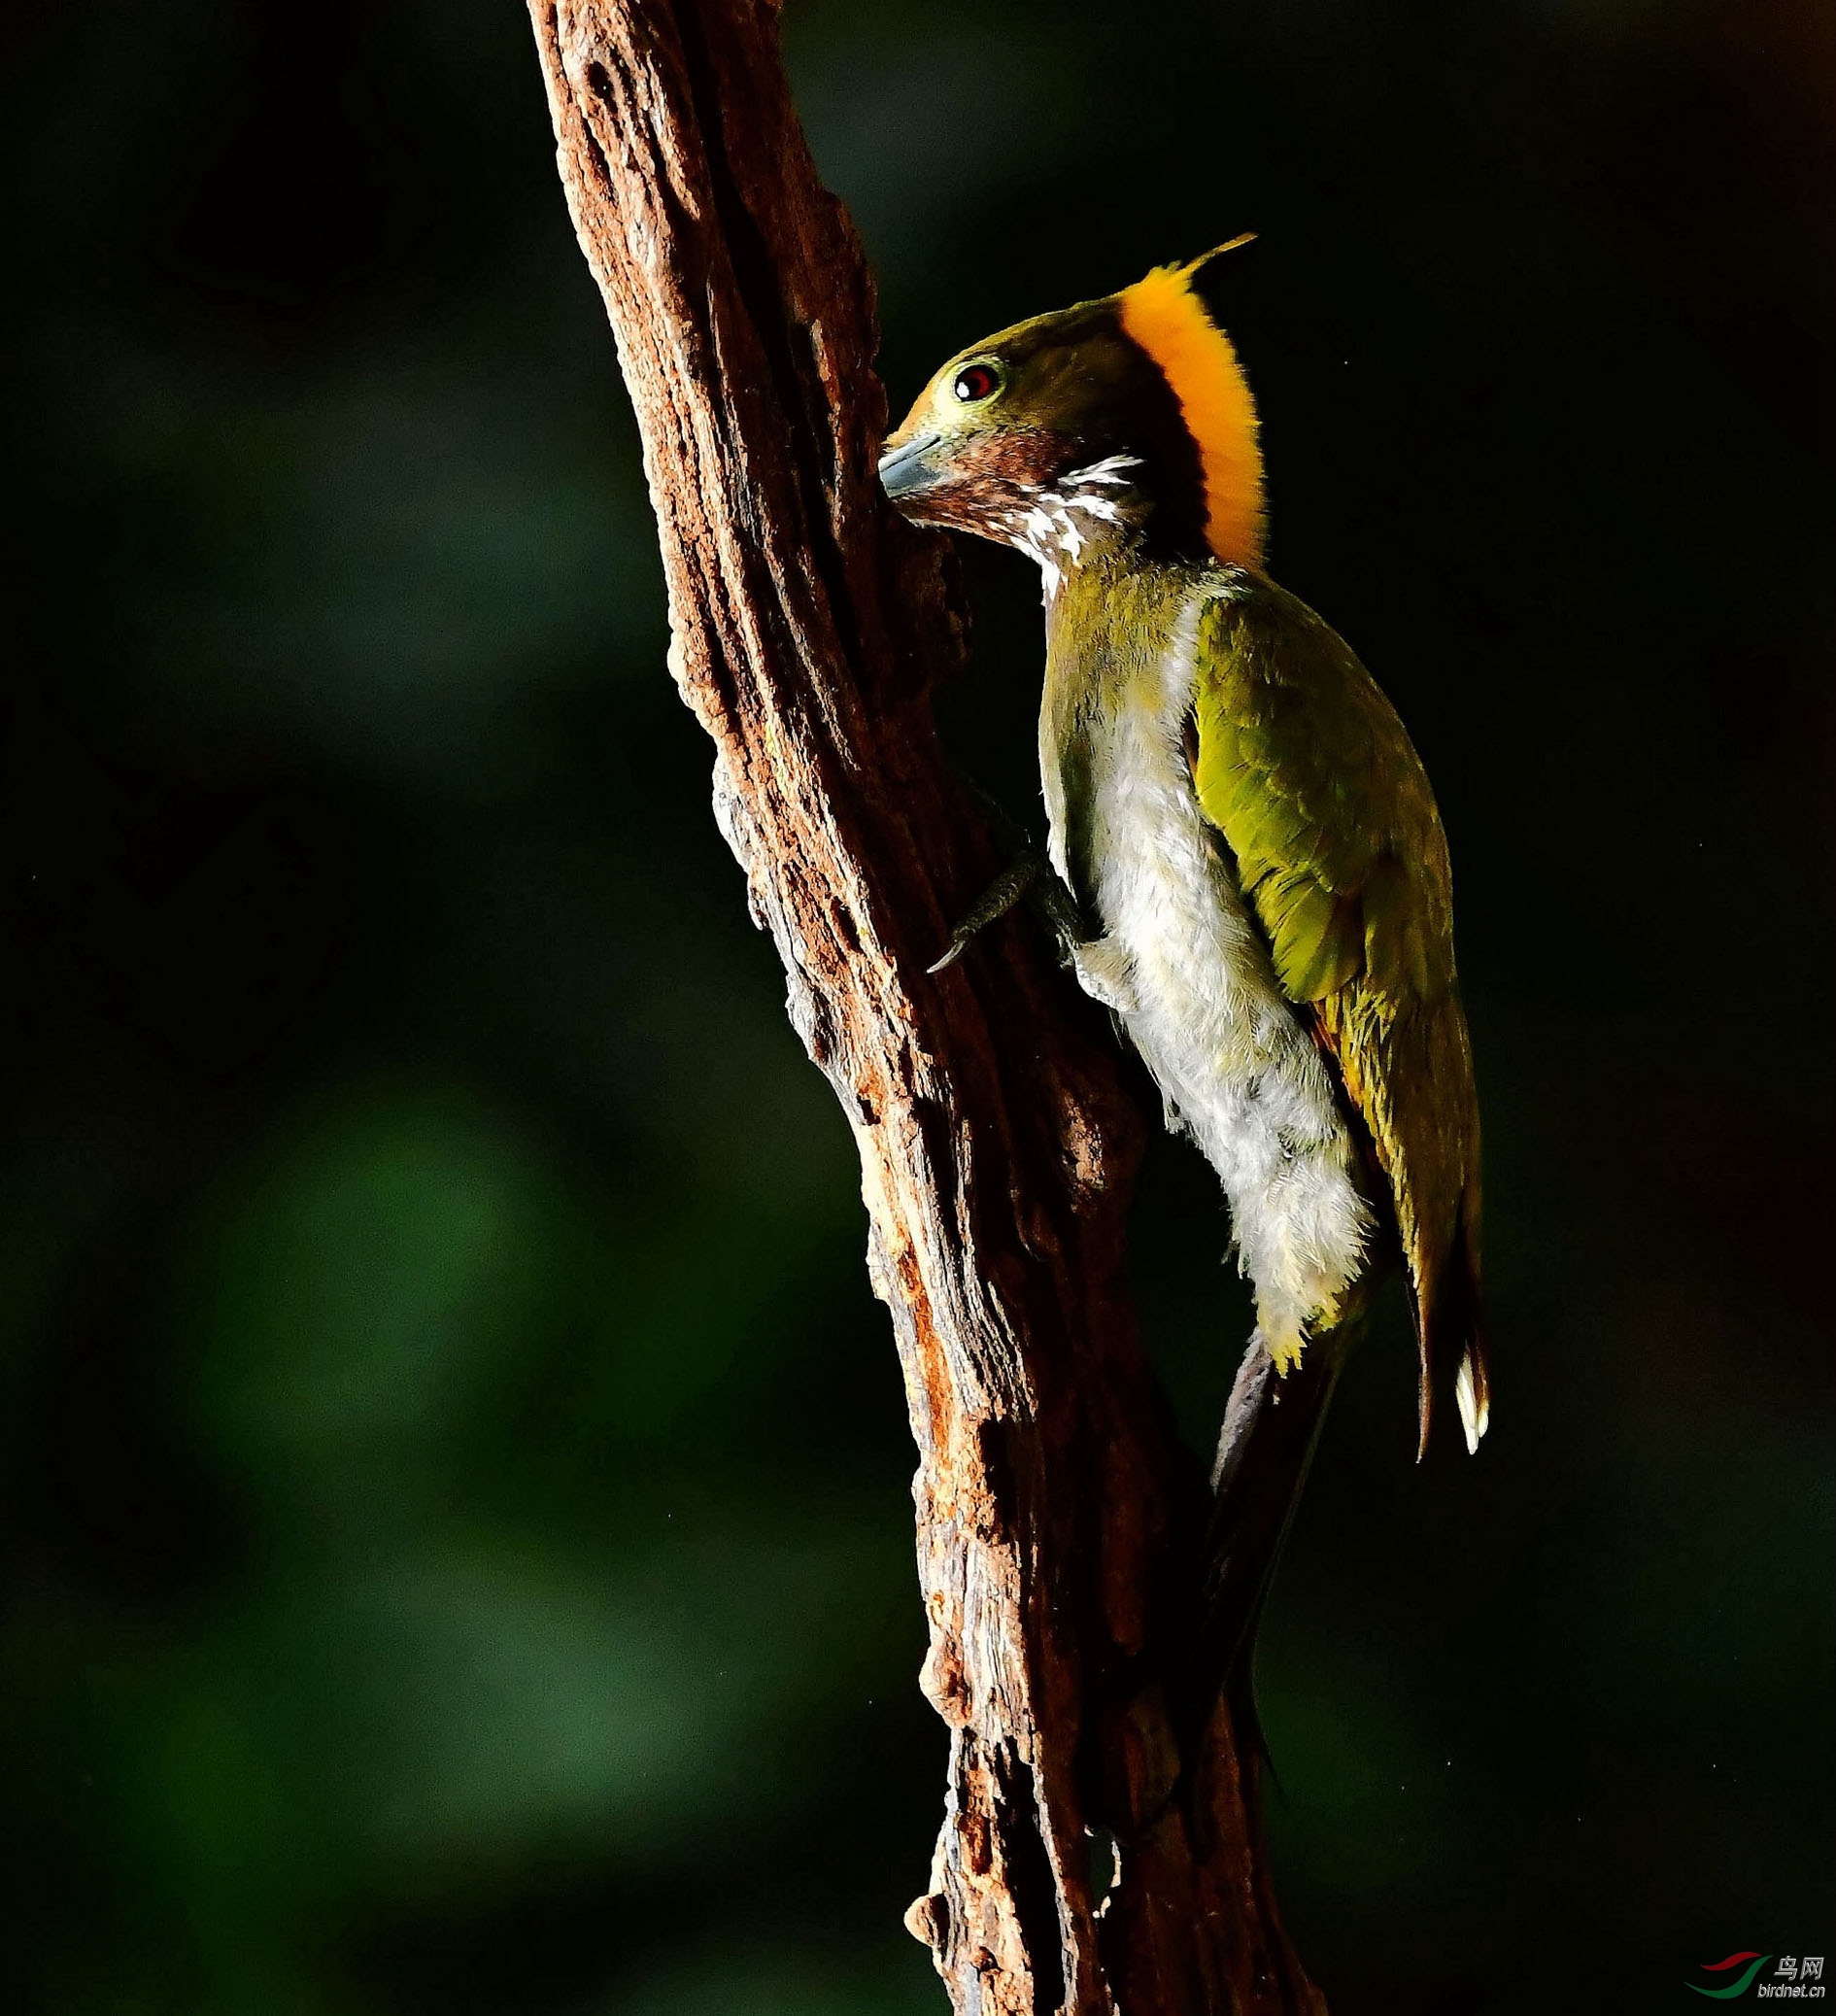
<point x="1169" y="321"/>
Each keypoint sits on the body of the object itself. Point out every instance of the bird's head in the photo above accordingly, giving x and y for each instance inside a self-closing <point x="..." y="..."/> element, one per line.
<point x="1124" y="418"/>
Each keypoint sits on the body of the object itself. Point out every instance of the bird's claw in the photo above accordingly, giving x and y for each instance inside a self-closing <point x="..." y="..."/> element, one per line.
<point x="994" y="903"/>
<point x="1029" y="874"/>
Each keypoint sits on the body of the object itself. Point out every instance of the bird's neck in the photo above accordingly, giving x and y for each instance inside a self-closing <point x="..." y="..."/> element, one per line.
<point x="1101" y="522"/>
<point x="1082" y="523"/>
<point x="1111" y="618"/>
<point x="1107" y="633"/>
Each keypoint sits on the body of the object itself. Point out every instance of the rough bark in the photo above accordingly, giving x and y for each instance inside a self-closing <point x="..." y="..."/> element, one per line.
<point x="1056" y="1512"/>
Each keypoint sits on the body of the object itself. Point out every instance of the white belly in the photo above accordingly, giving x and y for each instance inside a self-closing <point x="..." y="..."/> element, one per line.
<point x="1203" y="1007"/>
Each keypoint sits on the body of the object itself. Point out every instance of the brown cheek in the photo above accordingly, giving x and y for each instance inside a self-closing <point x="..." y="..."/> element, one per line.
<point x="988" y="483"/>
<point x="1006" y="462"/>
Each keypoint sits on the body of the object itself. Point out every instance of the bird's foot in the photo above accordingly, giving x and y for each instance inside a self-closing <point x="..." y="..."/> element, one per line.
<point x="1015" y="880"/>
<point x="1029" y="874"/>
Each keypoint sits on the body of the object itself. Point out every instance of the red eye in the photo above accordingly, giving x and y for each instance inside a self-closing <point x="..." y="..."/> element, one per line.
<point x="977" y="382"/>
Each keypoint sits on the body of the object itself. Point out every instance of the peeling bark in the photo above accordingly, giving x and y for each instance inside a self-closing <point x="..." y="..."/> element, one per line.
<point x="1056" y="1514"/>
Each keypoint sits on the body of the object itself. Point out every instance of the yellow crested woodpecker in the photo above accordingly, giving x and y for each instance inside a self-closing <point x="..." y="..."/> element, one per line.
<point x="1236" y="808"/>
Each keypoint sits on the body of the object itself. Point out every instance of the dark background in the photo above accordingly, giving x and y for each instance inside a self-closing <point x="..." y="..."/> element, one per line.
<point x="455" y="1479"/>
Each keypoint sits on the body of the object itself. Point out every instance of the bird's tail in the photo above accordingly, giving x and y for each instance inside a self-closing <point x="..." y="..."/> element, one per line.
<point x="1270" y="1430"/>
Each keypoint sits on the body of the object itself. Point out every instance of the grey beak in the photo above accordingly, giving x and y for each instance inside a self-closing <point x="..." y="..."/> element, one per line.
<point x="906" y="469"/>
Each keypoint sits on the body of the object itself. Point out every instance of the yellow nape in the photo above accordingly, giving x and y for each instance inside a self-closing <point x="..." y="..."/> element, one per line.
<point x="1169" y="321"/>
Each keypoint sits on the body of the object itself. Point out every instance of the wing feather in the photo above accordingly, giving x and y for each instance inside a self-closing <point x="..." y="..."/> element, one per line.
<point x="1303" y="766"/>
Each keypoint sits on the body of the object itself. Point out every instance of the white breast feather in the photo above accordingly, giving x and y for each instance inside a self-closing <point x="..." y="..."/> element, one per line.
<point x="1210" y="1017"/>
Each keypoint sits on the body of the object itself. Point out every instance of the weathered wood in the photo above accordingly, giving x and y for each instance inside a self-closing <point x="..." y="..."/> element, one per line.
<point x="1056" y="1513"/>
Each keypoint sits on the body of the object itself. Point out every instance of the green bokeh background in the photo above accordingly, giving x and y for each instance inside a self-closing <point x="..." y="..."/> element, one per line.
<point x="455" y="1479"/>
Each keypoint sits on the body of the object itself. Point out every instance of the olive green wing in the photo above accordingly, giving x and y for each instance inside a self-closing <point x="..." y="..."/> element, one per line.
<point x="1304" y="767"/>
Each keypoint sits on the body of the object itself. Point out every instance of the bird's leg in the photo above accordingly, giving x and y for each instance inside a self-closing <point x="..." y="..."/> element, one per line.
<point x="995" y="901"/>
<point x="1102" y="966"/>
<point x="1029" y="874"/>
<point x="1104" y="969"/>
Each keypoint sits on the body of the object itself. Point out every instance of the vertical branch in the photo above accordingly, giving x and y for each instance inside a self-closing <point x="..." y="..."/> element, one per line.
<point x="1056" y="1513"/>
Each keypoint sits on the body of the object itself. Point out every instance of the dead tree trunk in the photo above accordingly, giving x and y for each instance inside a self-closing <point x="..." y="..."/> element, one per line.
<point x="1056" y="1512"/>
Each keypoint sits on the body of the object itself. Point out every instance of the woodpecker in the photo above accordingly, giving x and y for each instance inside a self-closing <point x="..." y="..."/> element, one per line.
<point x="1235" y="806"/>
